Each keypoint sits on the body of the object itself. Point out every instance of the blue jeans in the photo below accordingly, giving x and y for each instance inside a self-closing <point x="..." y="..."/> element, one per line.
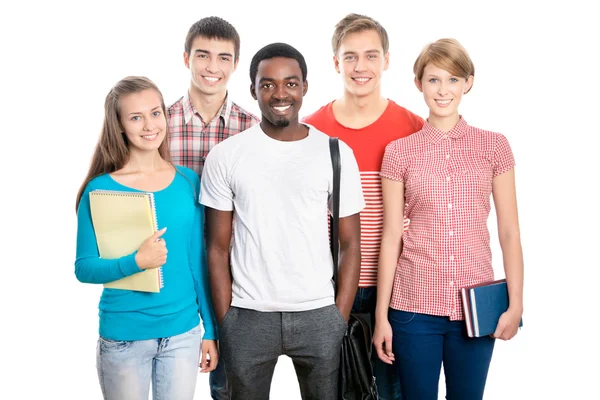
<point x="388" y="384"/>
<point x="126" y="368"/>
<point x="218" y="383"/>
<point x="422" y="343"/>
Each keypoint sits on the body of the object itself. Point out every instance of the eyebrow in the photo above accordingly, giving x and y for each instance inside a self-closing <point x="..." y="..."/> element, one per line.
<point x="138" y="112"/>
<point x="368" y="51"/>
<point x="208" y="52"/>
<point x="287" y="78"/>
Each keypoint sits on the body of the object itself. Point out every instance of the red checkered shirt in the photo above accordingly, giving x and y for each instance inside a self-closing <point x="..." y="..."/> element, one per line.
<point x="447" y="186"/>
<point x="190" y="138"/>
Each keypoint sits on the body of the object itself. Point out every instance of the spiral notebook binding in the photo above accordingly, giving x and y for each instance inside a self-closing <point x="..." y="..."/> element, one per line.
<point x="119" y="193"/>
<point x="155" y="222"/>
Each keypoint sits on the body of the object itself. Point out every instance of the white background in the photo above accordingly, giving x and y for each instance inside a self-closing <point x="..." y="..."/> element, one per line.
<point x="536" y="81"/>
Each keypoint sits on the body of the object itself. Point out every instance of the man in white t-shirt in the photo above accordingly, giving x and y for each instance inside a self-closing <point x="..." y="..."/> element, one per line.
<point x="273" y="292"/>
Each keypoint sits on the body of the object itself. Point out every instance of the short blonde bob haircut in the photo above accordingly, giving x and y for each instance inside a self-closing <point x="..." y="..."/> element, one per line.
<point x="446" y="54"/>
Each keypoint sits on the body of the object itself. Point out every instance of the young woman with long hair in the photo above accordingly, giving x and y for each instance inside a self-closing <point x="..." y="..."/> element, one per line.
<point x="148" y="337"/>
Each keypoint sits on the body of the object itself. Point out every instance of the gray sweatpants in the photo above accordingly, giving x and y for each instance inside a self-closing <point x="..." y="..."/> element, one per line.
<point x="251" y="341"/>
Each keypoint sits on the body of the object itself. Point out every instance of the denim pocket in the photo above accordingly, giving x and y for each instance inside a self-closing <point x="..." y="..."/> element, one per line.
<point x="401" y="317"/>
<point x="115" y="346"/>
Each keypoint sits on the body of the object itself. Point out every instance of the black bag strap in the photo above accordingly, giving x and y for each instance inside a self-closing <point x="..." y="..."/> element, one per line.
<point x="334" y="149"/>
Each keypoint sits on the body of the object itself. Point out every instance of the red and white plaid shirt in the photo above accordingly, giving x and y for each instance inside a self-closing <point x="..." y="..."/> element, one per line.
<point x="190" y="138"/>
<point x="447" y="186"/>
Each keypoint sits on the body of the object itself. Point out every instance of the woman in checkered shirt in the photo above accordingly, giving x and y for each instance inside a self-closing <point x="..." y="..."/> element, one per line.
<point x="441" y="178"/>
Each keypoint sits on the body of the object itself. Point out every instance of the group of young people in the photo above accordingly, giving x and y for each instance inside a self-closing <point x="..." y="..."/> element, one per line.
<point x="242" y="204"/>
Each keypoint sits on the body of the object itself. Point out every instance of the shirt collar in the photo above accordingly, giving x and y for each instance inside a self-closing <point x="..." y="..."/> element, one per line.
<point x="189" y="110"/>
<point x="436" y="135"/>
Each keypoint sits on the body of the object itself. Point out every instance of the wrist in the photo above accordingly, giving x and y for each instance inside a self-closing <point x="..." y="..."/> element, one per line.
<point x="516" y="309"/>
<point x="381" y="314"/>
<point x="138" y="261"/>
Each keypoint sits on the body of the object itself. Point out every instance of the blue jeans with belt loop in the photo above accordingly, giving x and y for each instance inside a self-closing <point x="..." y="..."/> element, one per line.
<point x="422" y="343"/>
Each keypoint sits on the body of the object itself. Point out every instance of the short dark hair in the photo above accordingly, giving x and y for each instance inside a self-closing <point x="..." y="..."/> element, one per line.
<point x="213" y="28"/>
<point x="277" y="50"/>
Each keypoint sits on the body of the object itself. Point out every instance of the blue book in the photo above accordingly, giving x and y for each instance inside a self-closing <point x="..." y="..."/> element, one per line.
<point x="483" y="305"/>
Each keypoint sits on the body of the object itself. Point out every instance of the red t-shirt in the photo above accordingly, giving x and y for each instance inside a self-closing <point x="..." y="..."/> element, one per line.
<point x="369" y="144"/>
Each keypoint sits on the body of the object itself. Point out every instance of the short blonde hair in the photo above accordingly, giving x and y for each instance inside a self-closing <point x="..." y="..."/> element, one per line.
<point x="353" y="23"/>
<point x="447" y="54"/>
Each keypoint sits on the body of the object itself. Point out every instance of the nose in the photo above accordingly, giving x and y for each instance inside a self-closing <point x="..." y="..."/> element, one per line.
<point x="361" y="64"/>
<point x="212" y="66"/>
<point x="280" y="92"/>
<point x="149" y="125"/>
<point x="442" y="90"/>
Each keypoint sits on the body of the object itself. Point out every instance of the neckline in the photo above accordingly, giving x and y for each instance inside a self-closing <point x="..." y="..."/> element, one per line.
<point x="287" y="142"/>
<point x="369" y="126"/>
<point x="145" y="191"/>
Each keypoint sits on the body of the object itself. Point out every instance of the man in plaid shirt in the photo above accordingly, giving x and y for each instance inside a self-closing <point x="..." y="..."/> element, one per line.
<point x="206" y="115"/>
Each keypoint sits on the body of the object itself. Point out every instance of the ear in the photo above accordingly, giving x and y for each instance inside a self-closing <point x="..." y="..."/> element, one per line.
<point x="253" y="91"/>
<point x="418" y="84"/>
<point x="235" y="64"/>
<point x="186" y="59"/>
<point x="469" y="84"/>
<point x="305" y="88"/>
<point x="336" y="64"/>
<point x="386" y="61"/>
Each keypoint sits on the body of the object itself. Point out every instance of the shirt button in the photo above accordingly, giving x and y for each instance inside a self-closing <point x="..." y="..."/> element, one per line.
<point x="447" y="156"/>
<point x="451" y="283"/>
<point x="449" y="206"/>
<point x="451" y="258"/>
<point x="445" y="136"/>
<point x="451" y="233"/>
<point x="448" y="178"/>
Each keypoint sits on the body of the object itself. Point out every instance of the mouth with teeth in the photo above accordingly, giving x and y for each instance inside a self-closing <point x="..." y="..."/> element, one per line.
<point x="150" y="138"/>
<point x="282" y="108"/>
<point x="443" y="103"/>
<point x="211" y="79"/>
<point x="361" y="80"/>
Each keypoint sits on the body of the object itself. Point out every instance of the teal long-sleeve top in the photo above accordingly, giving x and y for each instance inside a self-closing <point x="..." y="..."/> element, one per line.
<point x="132" y="315"/>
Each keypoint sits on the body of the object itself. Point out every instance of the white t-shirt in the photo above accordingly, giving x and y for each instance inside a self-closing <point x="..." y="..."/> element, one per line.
<point x="279" y="192"/>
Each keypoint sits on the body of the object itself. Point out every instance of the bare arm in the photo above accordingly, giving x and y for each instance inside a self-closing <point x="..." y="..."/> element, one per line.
<point x="349" y="271"/>
<point x="505" y="200"/>
<point x="218" y="238"/>
<point x="391" y="242"/>
<point x="391" y="245"/>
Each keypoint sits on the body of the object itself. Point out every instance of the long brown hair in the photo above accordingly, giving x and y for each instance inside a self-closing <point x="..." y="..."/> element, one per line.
<point x="112" y="151"/>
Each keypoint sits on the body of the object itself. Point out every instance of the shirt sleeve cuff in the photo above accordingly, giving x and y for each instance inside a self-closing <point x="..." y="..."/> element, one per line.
<point x="210" y="332"/>
<point x="128" y="266"/>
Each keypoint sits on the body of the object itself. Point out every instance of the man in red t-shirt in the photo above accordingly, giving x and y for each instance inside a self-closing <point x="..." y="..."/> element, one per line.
<point x="367" y="122"/>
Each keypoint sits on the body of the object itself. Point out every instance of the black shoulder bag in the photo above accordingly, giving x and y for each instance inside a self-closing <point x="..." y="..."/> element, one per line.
<point x="356" y="381"/>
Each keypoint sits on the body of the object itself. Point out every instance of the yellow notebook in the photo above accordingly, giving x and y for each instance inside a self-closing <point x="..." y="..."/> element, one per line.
<point x="122" y="222"/>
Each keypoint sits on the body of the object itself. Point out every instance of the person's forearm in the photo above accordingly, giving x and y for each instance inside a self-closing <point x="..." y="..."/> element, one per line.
<point x="512" y="254"/>
<point x="220" y="281"/>
<point x="348" y="276"/>
<point x="388" y="259"/>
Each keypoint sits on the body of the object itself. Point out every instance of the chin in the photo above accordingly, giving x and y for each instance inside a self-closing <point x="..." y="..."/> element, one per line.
<point x="280" y="122"/>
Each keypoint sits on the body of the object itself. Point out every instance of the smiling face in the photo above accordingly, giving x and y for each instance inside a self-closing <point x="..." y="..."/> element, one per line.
<point x="211" y="63"/>
<point x="361" y="61"/>
<point x="442" y="91"/>
<point x="143" y="120"/>
<point x="279" y="90"/>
